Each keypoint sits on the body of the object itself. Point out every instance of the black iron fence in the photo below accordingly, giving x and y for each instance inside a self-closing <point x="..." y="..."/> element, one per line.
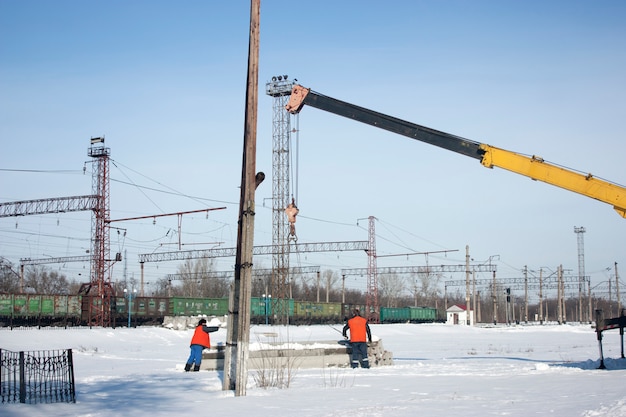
<point x="32" y="377"/>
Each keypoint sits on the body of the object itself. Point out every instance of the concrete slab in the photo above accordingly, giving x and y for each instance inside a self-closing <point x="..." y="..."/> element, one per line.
<point x="300" y="355"/>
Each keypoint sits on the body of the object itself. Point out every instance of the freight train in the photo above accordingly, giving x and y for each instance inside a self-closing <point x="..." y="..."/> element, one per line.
<point x="76" y="310"/>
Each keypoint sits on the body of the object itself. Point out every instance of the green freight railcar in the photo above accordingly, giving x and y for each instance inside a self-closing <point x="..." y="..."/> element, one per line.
<point x="267" y="307"/>
<point x="180" y="306"/>
<point x="39" y="309"/>
<point x="395" y="315"/>
<point x="316" y="312"/>
<point x="408" y="315"/>
<point x="119" y="306"/>
<point x="142" y="309"/>
<point x="26" y="305"/>
<point x="6" y="305"/>
<point x="348" y="309"/>
<point x="423" y="314"/>
<point x="151" y="307"/>
<point x="67" y="306"/>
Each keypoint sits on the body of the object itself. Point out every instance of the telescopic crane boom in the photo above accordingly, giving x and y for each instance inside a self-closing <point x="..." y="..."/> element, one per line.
<point x="533" y="167"/>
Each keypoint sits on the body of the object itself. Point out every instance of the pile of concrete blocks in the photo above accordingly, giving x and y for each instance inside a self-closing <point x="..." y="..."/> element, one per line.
<point x="299" y="355"/>
<point x="190" y="322"/>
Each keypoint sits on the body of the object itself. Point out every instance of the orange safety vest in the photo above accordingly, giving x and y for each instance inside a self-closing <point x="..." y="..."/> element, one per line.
<point x="358" y="332"/>
<point x="200" y="337"/>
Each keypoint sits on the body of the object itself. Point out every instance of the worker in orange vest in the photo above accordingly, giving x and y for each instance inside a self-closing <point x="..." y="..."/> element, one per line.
<point x="199" y="341"/>
<point x="360" y="334"/>
<point x="292" y="211"/>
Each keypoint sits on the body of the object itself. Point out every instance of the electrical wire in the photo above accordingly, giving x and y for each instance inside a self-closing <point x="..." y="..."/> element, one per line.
<point x="44" y="171"/>
<point x="145" y="195"/>
<point x="171" y="191"/>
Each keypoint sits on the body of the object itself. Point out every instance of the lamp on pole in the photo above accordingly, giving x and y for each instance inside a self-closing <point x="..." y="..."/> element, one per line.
<point x="266" y="298"/>
<point x="129" y="295"/>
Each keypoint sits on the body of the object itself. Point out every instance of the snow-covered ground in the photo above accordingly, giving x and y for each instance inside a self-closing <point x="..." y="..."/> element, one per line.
<point x="438" y="370"/>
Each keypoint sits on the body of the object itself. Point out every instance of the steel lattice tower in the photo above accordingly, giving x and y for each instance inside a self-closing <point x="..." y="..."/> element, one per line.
<point x="371" y="298"/>
<point x="100" y="304"/>
<point x="280" y="89"/>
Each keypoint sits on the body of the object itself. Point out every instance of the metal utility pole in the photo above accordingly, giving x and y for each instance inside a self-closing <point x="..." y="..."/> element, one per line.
<point x="581" y="269"/>
<point x="238" y="337"/>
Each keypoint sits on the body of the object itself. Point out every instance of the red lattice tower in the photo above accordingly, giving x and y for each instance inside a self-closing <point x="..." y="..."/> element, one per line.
<point x="100" y="288"/>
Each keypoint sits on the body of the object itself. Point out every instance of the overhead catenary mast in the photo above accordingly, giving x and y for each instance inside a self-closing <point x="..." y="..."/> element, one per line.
<point x="100" y="308"/>
<point x="99" y="286"/>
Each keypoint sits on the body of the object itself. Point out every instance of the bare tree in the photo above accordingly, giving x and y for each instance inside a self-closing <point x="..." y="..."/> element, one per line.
<point x="197" y="281"/>
<point x="9" y="279"/>
<point x="425" y="288"/>
<point x="390" y="288"/>
<point x="330" y="278"/>
<point x="355" y="297"/>
<point x="41" y="281"/>
<point x="163" y="288"/>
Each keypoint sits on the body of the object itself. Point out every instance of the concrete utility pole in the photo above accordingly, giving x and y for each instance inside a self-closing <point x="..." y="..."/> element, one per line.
<point x="494" y="297"/>
<point x="541" y="295"/>
<point x="619" y="301"/>
<point x="525" y="294"/>
<point x="238" y="337"/>
<point x="467" y="285"/>
<point x="581" y="269"/>
<point x="560" y="297"/>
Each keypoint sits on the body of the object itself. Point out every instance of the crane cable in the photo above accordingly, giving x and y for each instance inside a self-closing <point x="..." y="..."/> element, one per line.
<point x="294" y="184"/>
<point x="292" y="209"/>
<point x="294" y="195"/>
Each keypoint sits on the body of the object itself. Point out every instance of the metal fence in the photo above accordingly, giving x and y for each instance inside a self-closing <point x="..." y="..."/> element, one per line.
<point x="32" y="377"/>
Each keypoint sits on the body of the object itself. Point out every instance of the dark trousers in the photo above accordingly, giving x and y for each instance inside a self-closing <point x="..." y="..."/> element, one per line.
<point x="359" y="355"/>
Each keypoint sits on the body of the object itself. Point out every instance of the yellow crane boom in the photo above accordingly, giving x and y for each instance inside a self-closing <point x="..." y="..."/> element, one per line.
<point x="536" y="168"/>
<point x="489" y="156"/>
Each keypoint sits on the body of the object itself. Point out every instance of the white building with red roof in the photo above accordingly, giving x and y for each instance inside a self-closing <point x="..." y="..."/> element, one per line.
<point x="458" y="313"/>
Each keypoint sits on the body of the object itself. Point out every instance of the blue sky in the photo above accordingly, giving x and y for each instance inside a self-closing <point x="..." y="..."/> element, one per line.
<point x="165" y="83"/>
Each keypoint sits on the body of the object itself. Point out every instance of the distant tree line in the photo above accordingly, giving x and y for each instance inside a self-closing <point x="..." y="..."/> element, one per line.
<point x="194" y="279"/>
<point x="38" y="279"/>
